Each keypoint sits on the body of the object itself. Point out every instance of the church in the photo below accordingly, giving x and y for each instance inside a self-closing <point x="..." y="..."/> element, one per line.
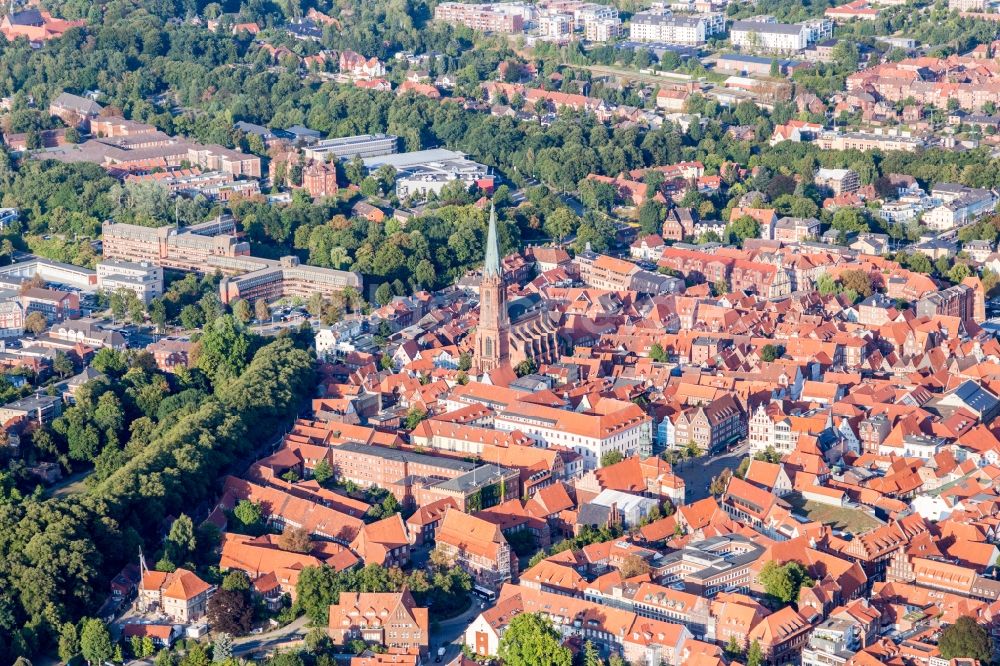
<point x="501" y="341"/>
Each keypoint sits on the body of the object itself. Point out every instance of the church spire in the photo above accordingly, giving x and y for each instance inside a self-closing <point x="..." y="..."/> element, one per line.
<point x="492" y="334"/>
<point x="492" y="266"/>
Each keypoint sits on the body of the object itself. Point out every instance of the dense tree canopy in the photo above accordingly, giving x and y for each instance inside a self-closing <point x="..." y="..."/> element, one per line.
<point x="530" y="640"/>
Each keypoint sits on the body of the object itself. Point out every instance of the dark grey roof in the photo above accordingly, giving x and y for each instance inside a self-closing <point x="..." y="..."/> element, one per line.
<point x="756" y="60"/>
<point x="770" y="28"/>
<point x="303" y="132"/>
<point x="976" y="397"/>
<point x="480" y="477"/>
<point x="78" y="104"/>
<point x="593" y="514"/>
<point x="252" y="128"/>
<point x="665" y="19"/>
<point x="27" y="17"/>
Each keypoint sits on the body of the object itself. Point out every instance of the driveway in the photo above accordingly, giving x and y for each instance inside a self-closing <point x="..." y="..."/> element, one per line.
<point x="289" y="635"/>
<point x="698" y="473"/>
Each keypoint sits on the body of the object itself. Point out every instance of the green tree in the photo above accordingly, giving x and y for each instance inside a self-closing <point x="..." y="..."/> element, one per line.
<point x="109" y="415"/>
<point x="355" y="170"/>
<point x="530" y="640"/>
<point x="241" y="310"/>
<point x="561" y="223"/>
<point x="692" y="450"/>
<point x="783" y="581"/>
<point x="383" y="295"/>
<point x="959" y="272"/>
<point x="611" y="458"/>
<point x="192" y="317"/>
<point x="827" y="285"/>
<point x="95" y="642"/>
<point x="236" y="580"/>
<point x="743" y="228"/>
<point x="69" y="642"/>
<point x="62" y="365"/>
<point x="414" y="417"/>
<point x="966" y="639"/>
<point x="651" y="216"/>
<point x="845" y="56"/>
<point x="165" y="657"/>
<point x="525" y="367"/>
<point x="248" y="513"/>
<point x="657" y="353"/>
<point x="158" y="314"/>
<point x="35" y="323"/>
<point x="848" y="220"/>
<point x="769" y="353"/>
<point x="734" y="649"/>
<point x="591" y="657"/>
<point x="224" y="349"/>
<point x="322" y="472"/>
<point x="755" y="655"/>
<point x="196" y="656"/>
<point x="181" y="542"/>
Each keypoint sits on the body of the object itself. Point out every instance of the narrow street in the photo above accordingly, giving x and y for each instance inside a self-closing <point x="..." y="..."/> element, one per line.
<point x="451" y="633"/>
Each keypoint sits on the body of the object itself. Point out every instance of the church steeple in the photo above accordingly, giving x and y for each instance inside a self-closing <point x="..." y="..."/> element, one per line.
<point x="493" y="334"/>
<point x="492" y="266"/>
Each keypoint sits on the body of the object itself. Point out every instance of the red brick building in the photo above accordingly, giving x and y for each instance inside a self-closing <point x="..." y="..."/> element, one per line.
<point x="386" y="618"/>
<point x="320" y="180"/>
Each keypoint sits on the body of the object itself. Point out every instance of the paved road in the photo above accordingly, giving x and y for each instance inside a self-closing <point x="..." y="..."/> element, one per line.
<point x="698" y="473"/>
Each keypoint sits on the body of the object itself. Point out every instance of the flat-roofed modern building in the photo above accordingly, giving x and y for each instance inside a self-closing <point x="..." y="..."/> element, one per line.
<point x="346" y="147"/>
<point x="771" y="37"/>
<point x="669" y="29"/>
<point x="423" y="171"/>
<point x="142" y="277"/>
<point x="197" y="249"/>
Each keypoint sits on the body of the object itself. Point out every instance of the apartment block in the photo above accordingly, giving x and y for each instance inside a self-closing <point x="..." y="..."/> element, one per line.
<point x="602" y="30"/>
<point x="668" y="29"/>
<point x="770" y="37"/>
<point x="484" y="18"/>
<point x="838" y="181"/>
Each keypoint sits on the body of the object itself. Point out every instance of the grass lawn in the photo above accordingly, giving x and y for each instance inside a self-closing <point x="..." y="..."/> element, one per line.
<point x="848" y="520"/>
